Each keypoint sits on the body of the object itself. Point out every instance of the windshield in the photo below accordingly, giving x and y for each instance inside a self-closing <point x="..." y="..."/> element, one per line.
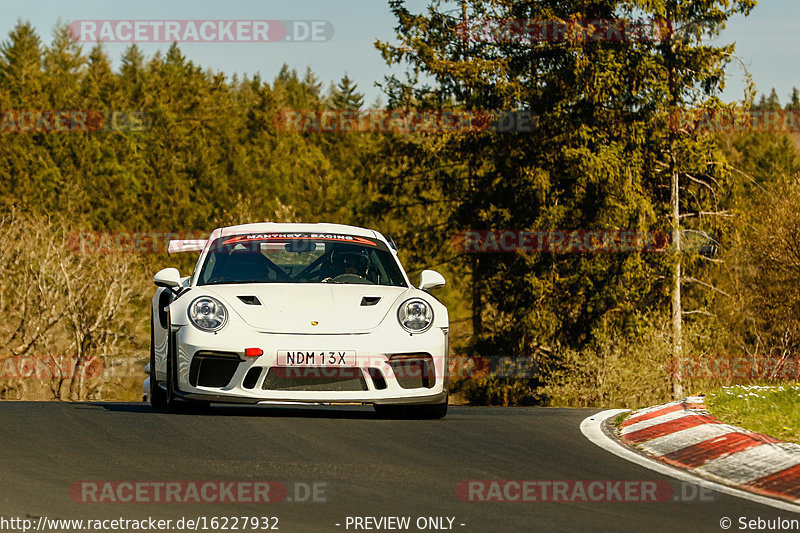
<point x="300" y="258"/>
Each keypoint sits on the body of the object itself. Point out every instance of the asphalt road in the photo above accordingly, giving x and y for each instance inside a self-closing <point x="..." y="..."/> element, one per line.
<point x="370" y="467"/>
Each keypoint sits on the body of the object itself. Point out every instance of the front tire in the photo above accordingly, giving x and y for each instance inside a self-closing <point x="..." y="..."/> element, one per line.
<point x="412" y="412"/>
<point x="158" y="398"/>
<point x="174" y="403"/>
<point x="171" y="400"/>
<point x="434" y="412"/>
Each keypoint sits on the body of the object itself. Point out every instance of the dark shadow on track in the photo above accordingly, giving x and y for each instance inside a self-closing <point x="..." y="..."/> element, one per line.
<point x="271" y="411"/>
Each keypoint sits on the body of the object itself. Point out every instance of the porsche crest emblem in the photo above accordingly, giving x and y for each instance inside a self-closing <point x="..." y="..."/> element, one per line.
<point x="314" y="323"/>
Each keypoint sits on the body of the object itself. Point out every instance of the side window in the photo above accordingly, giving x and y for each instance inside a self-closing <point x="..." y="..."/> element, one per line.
<point x="209" y="268"/>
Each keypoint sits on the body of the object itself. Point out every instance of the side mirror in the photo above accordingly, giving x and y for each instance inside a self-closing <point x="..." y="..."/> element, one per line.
<point x="168" y="278"/>
<point x="430" y="279"/>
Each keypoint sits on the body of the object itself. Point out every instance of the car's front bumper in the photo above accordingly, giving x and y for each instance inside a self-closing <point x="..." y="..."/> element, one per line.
<point x="386" y="353"/>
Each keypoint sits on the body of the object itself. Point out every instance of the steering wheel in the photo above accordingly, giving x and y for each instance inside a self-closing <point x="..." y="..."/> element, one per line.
<point x="348" y="278"/>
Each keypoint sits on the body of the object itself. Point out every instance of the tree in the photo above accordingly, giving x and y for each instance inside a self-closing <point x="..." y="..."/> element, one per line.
<point x="794" y="103"/>
<point x="71" y="308"/>
<point x="599" y="158"/>
<point x="346" y="95"/>
<point x="183" y="149"/>
<point x="20" y="67"/>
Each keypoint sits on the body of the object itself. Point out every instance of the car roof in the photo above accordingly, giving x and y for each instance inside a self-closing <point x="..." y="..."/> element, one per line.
<point x="297" y="227"/>
<point x="291" y="227"/>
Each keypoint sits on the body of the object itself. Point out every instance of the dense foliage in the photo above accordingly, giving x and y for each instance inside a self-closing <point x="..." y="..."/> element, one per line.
<point x="202" y="149"/>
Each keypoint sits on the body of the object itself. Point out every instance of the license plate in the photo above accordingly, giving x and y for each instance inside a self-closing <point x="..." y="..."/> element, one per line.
<point x="316" y="358"/>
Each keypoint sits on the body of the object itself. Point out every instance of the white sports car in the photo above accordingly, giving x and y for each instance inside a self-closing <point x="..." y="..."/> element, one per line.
<point x="303" y="313"/>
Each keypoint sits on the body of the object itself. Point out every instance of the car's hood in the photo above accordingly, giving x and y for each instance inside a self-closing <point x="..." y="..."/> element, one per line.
<point x="297" y="308"/>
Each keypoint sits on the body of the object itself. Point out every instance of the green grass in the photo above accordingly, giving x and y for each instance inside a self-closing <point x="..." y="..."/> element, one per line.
<point x="621" y="418"/>
<point x="770" y="409"/>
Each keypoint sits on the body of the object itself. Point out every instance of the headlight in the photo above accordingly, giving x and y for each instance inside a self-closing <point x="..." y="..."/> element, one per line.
<point x="207" y="313"/>
<point x="415" y="315"/>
